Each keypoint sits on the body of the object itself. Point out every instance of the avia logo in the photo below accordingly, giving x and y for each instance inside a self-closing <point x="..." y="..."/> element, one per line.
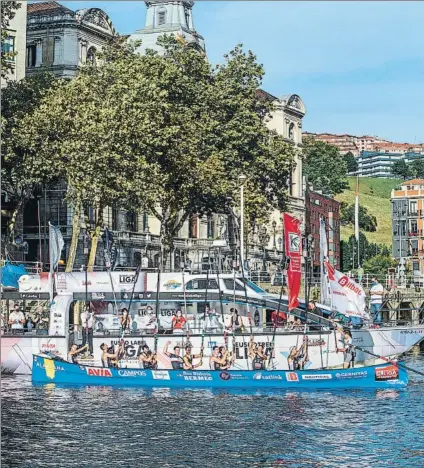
<point x="98" y="372"/>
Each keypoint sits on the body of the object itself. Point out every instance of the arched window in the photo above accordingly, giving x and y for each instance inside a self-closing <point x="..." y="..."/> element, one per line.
<point x="91" y="56"/>
<point x="161" y="17"/>
<point x="291" y="131"/>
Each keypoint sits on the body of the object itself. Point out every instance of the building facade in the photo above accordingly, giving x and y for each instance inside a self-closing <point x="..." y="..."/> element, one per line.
<point x="60" y="40"/>
<point x="379" y="163"/>
<point x="319" y="206"/>
<point x="408" y="224"/>
<point x="173" y="17"/>
<point x="15" y="44"/>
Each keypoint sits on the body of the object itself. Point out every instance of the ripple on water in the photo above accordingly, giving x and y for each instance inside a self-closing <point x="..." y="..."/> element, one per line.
<point x="98" y="426"/>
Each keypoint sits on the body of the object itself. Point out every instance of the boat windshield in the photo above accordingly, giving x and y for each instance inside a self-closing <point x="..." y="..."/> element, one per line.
<point x="253" y="286"/>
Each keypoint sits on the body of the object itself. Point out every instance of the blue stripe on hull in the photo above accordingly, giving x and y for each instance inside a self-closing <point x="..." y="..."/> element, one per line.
<point x="47" y="370"/>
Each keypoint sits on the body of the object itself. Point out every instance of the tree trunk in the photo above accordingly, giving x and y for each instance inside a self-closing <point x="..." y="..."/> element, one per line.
<point x="12" y="222"/>
<point x="76" y="228"/>
<point x="95" y="235"/>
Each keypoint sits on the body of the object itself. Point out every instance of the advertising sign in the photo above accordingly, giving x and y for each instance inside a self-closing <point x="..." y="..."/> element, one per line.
<point x="99" y="281"/>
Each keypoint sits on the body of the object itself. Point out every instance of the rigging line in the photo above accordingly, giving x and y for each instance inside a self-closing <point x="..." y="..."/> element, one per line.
<point x="20" y="357"/>
<point x="391" y="361"/>
<point x="136" y="275"/>
<point x="206" y="289"/>
<point x="386" y="340"/>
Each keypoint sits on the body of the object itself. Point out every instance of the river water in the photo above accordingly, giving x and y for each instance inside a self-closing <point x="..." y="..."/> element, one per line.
<point x="48" y="426"/>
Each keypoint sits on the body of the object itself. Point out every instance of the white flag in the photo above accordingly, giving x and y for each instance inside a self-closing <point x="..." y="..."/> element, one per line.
<point x="347" y="297"/>
<point x="56" y="244"/>
<point x="323" y="256"/>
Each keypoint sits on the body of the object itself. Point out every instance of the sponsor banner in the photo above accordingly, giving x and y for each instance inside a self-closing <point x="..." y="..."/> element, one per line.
<point x="293" y="244"/>
<point x="317" y="377"/>
<point x="160" y="375"/>
<point x="386" y="373"/>
<point x="265" y="376"/>
<point x="131" y="373"/>
<point x="34" y="284"/>
<point x="99" y="281"/>
<point x="190" y="375"/>
<point x="97" y="371"/>
<point x="347" y="296"/>
<point x="292" y="377"/>
<point x="351" y="375"/>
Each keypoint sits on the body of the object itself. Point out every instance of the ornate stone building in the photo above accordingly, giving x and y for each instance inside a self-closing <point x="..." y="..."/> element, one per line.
<point x="168" y="17"/>
<point x="60" y="40"/>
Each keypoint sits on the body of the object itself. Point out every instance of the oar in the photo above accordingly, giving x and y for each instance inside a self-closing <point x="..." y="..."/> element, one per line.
<point x="390" y="361"/>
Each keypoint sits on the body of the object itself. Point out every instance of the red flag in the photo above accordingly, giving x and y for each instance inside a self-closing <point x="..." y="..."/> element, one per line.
<point x="293" y="244"/>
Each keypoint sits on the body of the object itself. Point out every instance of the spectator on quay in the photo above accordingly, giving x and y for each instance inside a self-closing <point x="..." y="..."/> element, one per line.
<point x="177" y="361"/>
<point x="360" y="273"/>
<point x="87" y="322"/>
<point x="17" y="318"/>
<point x="151" y="323"/>
<point x="376" y="300"/>
<point x="40" y="318"/>
<point x="73" y="353"/>
<point x="212" y="323"/>
<point x="178" y="322"/>
<point x="297" y="324"/>
<point x="278" y="319"/>
<point x="147" y="359"/>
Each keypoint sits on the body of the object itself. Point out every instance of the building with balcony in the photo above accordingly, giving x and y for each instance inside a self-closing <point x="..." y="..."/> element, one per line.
<point x="15" y="43"/>
<point x="408" y="223"/>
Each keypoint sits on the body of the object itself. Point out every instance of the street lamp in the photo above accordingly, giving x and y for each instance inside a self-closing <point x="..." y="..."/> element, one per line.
<point x="242" y="179"/>
<point x="274" y="226"/>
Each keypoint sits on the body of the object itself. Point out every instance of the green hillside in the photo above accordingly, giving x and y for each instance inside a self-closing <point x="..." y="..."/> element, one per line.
<point x="374" y="194"/>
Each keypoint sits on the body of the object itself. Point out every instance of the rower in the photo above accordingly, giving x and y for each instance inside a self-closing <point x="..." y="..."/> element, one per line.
<point x="188" y="359"/>
<point x="74" y="351"/>
<point x="177" y="361"/>
<point x="256" y="353"/>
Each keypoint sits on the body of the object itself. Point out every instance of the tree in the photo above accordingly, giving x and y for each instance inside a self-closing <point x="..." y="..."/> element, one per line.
<point x="367" y="222"/>
<point x="416" y="168"/>
<point x="324" y="167"/>
<point x="379" y="264"/>
<point x="351" y="162"/>
<point x="8" y="12"/>
<point x="22" y="168"/>
<point x="401" y="169"/>
<point x="167" y="133"/>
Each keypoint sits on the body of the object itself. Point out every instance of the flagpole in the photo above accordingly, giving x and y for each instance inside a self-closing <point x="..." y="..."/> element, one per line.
<point x="357" y="218"/>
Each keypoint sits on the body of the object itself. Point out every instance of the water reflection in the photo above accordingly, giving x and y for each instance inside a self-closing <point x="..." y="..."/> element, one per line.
<point x="63" y="426"/>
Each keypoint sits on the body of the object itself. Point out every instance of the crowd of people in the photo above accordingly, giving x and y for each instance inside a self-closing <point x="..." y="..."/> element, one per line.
<point x="19" y="321"/>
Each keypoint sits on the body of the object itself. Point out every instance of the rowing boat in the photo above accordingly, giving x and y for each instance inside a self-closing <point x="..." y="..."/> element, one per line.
<point x="47" y="369"/>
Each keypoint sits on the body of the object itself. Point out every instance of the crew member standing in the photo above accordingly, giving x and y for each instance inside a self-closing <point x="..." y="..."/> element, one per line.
<point x="87" y="322"/>
<point x="376" y="300"/>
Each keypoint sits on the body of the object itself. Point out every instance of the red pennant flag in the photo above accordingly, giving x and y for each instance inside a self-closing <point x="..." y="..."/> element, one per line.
<point x="293" y="244"/>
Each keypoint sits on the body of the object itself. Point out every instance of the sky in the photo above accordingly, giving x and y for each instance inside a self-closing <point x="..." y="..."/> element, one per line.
<point x="358" y="66"/>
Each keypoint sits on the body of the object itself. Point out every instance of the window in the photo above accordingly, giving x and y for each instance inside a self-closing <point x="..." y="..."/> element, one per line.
<point x="91" y="56"/>
<point x="145" y="222"/>
<point x="201" y="284"/>
<point x="31" y="55"/>
<point x="192" y="227"/>
<point x="8" y="46"/>
<point x="413" y="226"/>
<point x="413" y="207"/>
<point x="291" y="131"/>
<point x="161" y="17"/>
<point x="229" y="284"/>
<point x="131" y="221"/>
<point x="211" y="227"/>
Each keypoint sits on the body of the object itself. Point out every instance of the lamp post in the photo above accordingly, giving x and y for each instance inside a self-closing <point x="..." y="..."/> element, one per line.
<point x="242" y="179"/>
<point x="274" y="229"/>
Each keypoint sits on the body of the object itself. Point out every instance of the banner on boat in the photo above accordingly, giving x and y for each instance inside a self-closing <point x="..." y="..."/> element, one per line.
<point x="99" y="281"/>
<point x="347" y="296"/>
<point x="293" y="245"/>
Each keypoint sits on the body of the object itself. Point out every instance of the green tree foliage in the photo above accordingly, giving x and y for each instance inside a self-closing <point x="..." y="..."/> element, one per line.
<point x="367" y="250"/>
<point x="167" y="133"/>
<point x="8" y="12"/>
<point x="401" y="169"/>
<point x="367" y="222"/>
<point x="324" y="167"/>
<point x="22" y="167"/>
<point x="379" y="264"/>
<point x="416" y="168"/>
<point x="351" y="162"/>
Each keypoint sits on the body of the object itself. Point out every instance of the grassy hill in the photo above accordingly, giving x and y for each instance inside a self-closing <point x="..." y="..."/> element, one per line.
<point x="374" y="194"/>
